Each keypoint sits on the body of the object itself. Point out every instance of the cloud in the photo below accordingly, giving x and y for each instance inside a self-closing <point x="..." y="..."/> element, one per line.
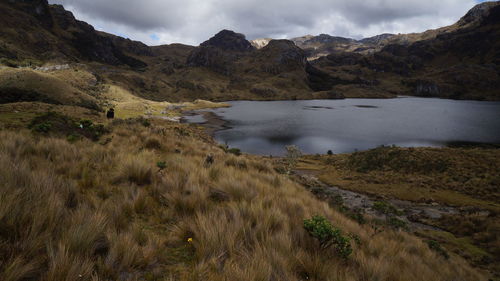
<point x="194" y="21"/>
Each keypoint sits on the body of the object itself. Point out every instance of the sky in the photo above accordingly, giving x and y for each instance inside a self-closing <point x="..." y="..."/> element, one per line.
<point x="157" y="22"/>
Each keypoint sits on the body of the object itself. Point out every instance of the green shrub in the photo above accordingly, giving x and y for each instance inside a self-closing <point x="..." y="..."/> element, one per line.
<point x="42" y="127"/>
<point x="145" y="122"/>
<point x="161" y="165"/>
<point x="73" y="138"/>
<point x="435" y="246"/>
<point x="386" y="208"/>
<point x="328" y="236"/>
<point x="235" y="151"/>
<point x="397" y="223"/>
<point x="358" y="217"/>
<point x="393" y="158"/>
<point x="86" y="124"/>
<point x="65" y="126"/>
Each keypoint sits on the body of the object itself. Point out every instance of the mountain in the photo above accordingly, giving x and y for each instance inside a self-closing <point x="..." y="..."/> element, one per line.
<point x="324" y="44"/>
<point x="458" y="61"/>
<point x="461" y="61"/>
<point x="31" y="29"/>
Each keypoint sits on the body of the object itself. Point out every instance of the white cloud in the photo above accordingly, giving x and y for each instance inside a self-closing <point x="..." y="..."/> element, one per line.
<point x="194" y="21"/>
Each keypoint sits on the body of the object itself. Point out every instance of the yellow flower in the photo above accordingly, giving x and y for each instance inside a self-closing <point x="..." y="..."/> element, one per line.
<point x="190" y="240"/>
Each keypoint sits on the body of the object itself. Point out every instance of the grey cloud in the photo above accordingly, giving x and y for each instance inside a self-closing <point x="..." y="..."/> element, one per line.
<point x="193" y="21"/>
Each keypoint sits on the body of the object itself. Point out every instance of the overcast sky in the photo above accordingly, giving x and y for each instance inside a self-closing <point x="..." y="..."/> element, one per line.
<point x="156" y="22"/>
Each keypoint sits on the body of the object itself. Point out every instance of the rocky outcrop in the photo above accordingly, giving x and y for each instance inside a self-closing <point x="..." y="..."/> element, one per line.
<point x="377" y="39"/>
<point x="425" y="88"/>
<point x="36" y="8"/>
<point x="228" y="40"/>
<point x="220" y="52"/>
<point x="282" y="56"/>
<point x="212" y="58"/>
<point x="55" y="34"/>
<point x="477" y="13"/>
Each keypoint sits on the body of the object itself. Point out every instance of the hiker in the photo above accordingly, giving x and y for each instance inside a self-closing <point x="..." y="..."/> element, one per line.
<point x="110" y="114"/>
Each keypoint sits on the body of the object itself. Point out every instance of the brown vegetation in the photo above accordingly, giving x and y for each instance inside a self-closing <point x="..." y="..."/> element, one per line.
<point x="104" y="211"/>
<point x="467" y="178"/>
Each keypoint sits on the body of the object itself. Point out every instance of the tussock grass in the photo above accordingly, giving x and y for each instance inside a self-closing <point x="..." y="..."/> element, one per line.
<point x="17" y="85"/>
<point x="87" y="211"/>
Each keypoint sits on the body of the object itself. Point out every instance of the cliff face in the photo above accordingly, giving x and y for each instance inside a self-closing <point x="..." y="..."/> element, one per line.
<point x="33" y="29"/>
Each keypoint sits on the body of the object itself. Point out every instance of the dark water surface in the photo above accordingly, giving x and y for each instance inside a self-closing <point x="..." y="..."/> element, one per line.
<point x="317" y="126"/>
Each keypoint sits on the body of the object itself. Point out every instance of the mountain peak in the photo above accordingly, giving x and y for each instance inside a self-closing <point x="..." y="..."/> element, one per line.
<point x="478" y="12"/>
<point x="229" y="40"/>
<point x="37" y="8"/>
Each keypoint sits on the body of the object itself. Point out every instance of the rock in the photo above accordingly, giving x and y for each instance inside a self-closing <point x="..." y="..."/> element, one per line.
<point x="228" y="40"/>
<point x="426" y="88"/>
<point x="477" y="13"/>
<point x="335" y="95"/>
<point x="283" y="55"/>
<point x="263" y="92"/>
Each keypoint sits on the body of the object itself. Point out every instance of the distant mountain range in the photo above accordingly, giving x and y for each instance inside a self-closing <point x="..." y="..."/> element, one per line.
<point x="324" y="44"/>
<point x="460" y="61"/>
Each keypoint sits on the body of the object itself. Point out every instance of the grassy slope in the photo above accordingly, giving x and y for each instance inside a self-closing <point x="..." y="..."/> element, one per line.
<point x="461" y="177"/>
<point x="64" y="87"/>
<point x="450" y="176"/>
<point x="90" y="211"/>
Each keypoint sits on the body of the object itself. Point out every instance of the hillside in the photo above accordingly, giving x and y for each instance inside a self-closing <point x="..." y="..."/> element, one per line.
<point x="140" y="204"/>
<point x="453" y="192"/>
<point x="34" y="33"/>
<point x="461" y="63"/>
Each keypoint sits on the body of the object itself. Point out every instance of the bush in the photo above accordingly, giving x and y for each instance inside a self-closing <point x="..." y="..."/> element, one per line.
<point x="86" y="124"/>
<point x="42" y="127"/>
<point x="161" y="165"/>
<point x="357" y="216"/>
<point x="73" y="138"/>
<point x="435" y="246"/>
<point x="137" y="171"/>
<point x="153" y="143"/>
<point x="329" y="152"/>
<point x="235" y="151"/>
<point x="62" y="125"/>
<point x="395" y="159"/>
<point x="328" y="236"/>
<point x="385" y="208"/>
<point x="397" y="223"/>
<point x="145" y="122"/>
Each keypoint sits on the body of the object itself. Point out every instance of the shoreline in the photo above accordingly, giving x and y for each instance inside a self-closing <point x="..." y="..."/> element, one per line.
<point x="212" y="123"/>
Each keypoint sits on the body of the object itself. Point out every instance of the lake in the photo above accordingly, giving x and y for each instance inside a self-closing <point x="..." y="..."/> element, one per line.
<point x="316" y="126"/>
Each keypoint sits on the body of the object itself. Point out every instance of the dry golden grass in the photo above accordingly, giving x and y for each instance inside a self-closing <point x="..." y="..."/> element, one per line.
<point x="44" y="87"/>
<point x="454" y="176"/>
<point x="128" y="105"/>
<point x="467" y="178"/>
<point x="86" y="211"/>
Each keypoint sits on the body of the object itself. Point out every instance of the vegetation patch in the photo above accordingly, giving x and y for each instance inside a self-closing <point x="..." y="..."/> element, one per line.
<point x="61" y="125"/>
<point x="434" y="245"/>
<point x="328" y="236"/>
<point x="392" y="158"/>
<point x="386" y="208"/>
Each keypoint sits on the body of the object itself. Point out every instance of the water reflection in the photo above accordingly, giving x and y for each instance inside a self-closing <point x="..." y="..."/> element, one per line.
<point x="317" y="126"/>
